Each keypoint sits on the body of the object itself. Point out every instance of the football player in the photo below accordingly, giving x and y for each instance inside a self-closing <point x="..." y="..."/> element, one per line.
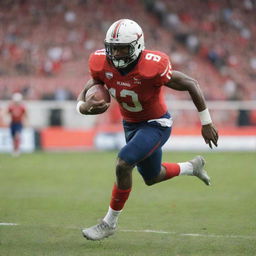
<point x="135" y="77"/>
<point x="17" y="113"/>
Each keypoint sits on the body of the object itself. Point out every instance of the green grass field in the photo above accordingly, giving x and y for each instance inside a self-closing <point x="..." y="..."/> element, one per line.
<point x="51" y="196"/>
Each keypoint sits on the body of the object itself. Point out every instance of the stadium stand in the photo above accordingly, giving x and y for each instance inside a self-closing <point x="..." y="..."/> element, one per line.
<point x="45" y="45"/>
<point x="211" y="40"/>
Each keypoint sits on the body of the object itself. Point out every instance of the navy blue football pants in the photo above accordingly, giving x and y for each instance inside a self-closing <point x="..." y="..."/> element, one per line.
<point x="15" y="128"/>
<point x="144" y="146"/>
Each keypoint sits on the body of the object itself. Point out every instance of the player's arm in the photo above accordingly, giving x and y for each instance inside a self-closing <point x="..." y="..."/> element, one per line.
<point x="25" y="118"/>
<point x="182" y="82"/>
<point x="90" y="106"/>
<point x="7" y="115"/>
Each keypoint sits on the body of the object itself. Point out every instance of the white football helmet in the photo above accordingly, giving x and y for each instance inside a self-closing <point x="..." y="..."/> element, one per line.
<point x="124" y="33"/>
<point x="17" y="97"/>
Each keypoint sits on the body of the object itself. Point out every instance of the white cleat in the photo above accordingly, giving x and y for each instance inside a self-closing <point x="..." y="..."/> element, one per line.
<point x="198" y="169"/>
<point x="16" y="153"/>
<point x="99" y="231"/>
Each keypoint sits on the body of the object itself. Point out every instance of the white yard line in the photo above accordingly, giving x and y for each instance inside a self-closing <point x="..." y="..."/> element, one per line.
<point x="159" y="232"/>
<point x="8" y="224"/>
<point x="189" y="234"/>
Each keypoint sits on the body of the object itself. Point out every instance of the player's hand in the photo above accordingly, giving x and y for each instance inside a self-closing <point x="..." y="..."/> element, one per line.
<point x="94" y="107"/>
<point x="210" y="134"/>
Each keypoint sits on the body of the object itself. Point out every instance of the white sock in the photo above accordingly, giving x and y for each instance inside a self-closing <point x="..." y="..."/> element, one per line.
<point x="186" y="168"/>
<point x="112" y="217"/>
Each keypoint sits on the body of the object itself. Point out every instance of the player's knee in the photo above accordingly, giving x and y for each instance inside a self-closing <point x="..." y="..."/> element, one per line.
<point x="149" y="182"/>
<point x="122" y="168"/>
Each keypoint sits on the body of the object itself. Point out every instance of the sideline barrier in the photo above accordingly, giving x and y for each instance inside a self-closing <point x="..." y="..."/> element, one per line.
<point x="66" y="139"/>
<point x="107" y="137"/>
<point x="27" y="140"/>
<point x="112" y="138"/>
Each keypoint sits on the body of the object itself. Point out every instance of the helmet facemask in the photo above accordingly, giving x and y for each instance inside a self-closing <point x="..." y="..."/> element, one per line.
<point x="121" y="61"/>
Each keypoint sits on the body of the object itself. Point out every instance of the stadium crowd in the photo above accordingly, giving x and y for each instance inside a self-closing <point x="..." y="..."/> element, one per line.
<point x="219" y="32"/>
<point x="211" y="40"/>
<point x="45" y="45"/>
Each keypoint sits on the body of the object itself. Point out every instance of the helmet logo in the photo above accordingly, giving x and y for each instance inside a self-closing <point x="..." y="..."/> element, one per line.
<point x="138" y="36"/>
<point x="109" y="75"/>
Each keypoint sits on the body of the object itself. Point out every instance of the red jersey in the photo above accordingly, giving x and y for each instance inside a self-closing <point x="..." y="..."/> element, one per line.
<point x="17" y="112"/>
<point x="139" y="93"/>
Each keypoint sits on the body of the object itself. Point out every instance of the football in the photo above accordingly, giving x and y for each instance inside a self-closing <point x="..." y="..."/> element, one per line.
<point x="99" y="93"/>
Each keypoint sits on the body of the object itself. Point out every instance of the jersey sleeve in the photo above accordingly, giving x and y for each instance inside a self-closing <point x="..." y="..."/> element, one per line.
<point x="164" y="71"/>
<point x="23" y="109"/>
<point x="96" y="63"/>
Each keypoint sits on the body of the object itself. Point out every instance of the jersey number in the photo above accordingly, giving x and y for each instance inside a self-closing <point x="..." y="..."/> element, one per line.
<point x="154" y="57"/>
<point x="127" y="93"/>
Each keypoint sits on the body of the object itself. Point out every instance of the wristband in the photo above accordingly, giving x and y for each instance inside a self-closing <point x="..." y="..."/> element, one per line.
<point x="205" y="117"/>
<point x="79" y="103"/>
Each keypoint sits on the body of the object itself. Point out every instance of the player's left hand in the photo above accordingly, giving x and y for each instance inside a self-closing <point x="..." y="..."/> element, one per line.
<point x="210" y="134"/>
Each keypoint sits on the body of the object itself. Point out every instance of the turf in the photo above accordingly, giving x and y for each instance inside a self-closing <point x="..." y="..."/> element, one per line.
<point x="51" y="196"/>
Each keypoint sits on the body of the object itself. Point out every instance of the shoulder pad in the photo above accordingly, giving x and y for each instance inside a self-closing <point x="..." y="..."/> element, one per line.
<point x="97" y="60"/>
<point x="153" y="63"/>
